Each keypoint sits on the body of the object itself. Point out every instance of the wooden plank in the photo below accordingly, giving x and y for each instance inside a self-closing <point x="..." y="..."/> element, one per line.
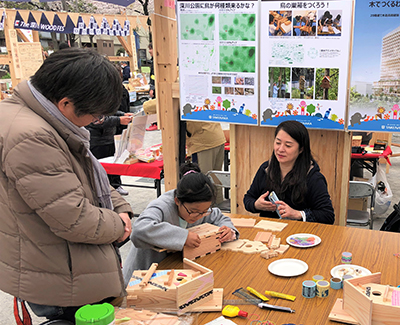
<point x="5" y="59"/>
<point x="243" y="222"/>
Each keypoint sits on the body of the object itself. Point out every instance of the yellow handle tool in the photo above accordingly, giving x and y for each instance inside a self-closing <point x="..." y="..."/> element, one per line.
<point x="280" y="295"/>
<point x="257" y="294"/>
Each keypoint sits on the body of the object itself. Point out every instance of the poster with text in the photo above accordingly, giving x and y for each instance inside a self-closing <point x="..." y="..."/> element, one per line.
<point x="375" y="72"/>
<point x="304" y="51"/>
<point x="218" y="61"/>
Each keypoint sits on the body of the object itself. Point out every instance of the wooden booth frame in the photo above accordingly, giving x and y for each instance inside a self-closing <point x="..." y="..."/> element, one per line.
<point x="11" y="33"/>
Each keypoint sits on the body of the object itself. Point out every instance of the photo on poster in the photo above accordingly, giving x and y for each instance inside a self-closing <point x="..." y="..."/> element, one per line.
<point x="279" y="82"/>
<point x="216" y="90"/>
<point x="303" y="83"/>
<point x="329" y="23"/>
<point x="216" y="80"/>
<point x="249" y="91"/>
<point x="375" y="89"/>
<point x="239" y="81"/>
<point x="249" y="81"/>
<point x="229" y="90"/>
<point x="237" y="27"/>
<point x="280" y="23"/>
<point x="326" y="84"/>
<point x="226" y="80"/>
<point x="239" y="91"/>
<point x="197" y="27"/>
<point x="237" y="59"/>
<point x="304" y="22"/>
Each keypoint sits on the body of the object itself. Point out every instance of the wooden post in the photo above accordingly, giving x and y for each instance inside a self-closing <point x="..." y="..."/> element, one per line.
<point x="165" y="71"/>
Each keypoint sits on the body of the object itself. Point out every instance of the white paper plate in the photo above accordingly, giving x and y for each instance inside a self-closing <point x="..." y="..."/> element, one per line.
<point x="339" y="270"/>
<point x="303" y="240"/>
<point x="288" y="267"/>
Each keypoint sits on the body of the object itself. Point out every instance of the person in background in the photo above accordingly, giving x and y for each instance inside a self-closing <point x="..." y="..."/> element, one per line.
<point x="294" y="176"/>
<point x="102" y="142"/>
<point x="59" y="218"/>
<point x="126" y="71"/>
<point x="102" y="133"/>
<point x="152" y="91"/>
<point x="166" y="221"/>
<point x="63" y="46"/>
<point x="205" y="142"/>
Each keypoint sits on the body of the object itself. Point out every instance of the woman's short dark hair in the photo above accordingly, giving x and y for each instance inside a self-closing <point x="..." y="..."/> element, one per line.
<point x="194" y="186"/>
<point x="84" y="77"/>
<point x="150" y="46"/>
<point x="297" y="177"/>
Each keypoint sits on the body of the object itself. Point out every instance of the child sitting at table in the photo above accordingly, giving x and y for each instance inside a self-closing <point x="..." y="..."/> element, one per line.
<point x="166" y="221"/>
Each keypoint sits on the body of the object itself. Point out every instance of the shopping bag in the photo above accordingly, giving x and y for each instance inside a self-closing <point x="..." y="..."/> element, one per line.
<point x="383" y="194"/>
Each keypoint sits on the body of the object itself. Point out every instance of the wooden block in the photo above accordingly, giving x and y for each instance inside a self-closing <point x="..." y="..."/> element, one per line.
<point x="282" y="249"/>
<point x="270" y="241"/>
<point x="245" y="246"/>
<point x="269" y="254"/>
<point x="386" y="294"/>
<point x="170" y="278"/>
<point x="263" y="236"/>
<point x="271" y="225"/>
<point x="148" y="275"/>
<point x="243" y="222"/>
<point x="275" y="243"/>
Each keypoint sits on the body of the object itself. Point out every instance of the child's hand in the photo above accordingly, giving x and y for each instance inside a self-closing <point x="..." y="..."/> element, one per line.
<point x="226" y="234"/>
<point x="193" y="240"/>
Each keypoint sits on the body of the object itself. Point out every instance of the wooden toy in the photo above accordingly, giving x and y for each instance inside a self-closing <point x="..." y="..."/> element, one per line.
<point x="245" y="246"/>
<point x="243" y="222"/>
<point x="271" y="225"/>
<point x="183" y="295"/>
<point x="209" y="235"/>
<point x="282" y="248"/>
<point x="366" y="301"/>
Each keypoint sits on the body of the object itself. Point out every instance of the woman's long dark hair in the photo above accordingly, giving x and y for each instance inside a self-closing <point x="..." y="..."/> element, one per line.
<point x="194" y="186"/>
<point x="296" y="179"/>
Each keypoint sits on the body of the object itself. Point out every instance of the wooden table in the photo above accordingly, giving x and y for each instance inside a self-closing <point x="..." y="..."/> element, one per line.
<point x="371" y="249"/>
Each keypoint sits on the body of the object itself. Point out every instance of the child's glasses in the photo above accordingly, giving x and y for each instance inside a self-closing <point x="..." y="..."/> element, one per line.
<point x="197" y="214"/>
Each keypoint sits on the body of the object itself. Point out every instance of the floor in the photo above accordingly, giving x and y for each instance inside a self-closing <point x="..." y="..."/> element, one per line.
<point x="140" y="197"/>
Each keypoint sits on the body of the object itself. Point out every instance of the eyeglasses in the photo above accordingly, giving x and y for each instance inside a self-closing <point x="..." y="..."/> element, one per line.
<point x="99" y="119"/>
<point x="197" y="214"/>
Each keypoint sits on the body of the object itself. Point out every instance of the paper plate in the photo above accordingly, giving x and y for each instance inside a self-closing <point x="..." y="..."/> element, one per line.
<point x="303" y="240"/>
<point x="354" y="270"/>
<point x="288" y="267"/>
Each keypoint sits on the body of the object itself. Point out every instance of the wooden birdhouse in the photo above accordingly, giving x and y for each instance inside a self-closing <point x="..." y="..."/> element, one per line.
<point x="209" y="235"/>
<point x="173" y="290"/>
<point x="326" y="82"/>
<point x="366" y="301"/>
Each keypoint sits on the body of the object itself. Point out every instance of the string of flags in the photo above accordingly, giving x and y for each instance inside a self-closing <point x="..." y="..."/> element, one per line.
<point x="40" y="22"/>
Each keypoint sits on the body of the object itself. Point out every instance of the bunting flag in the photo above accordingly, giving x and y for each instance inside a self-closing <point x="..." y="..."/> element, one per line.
<point x="79" y="27"/>
<point x="3" y="18"/>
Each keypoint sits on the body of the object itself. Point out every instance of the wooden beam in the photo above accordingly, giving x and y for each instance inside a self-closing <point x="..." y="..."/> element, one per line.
<point x="22" y="36"/>
<point x="125" y="45"/>
<point x="165" y="71"/>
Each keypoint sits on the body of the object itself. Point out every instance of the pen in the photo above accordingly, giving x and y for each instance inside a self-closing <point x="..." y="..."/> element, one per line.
<point x="257" y="294"/>
<point x="281" y="308"/>
<point x="280" y="295"/>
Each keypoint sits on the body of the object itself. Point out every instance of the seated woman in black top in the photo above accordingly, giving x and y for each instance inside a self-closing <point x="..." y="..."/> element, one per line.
<point x="294" y="176"/>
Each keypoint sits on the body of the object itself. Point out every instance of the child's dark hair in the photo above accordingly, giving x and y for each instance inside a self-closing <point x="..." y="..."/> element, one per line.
<point x="194" y="186"/>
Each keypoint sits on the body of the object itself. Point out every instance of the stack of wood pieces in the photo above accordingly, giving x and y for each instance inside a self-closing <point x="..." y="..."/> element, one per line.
<point x="131" y="316"/>
<point x="274" y="244"/>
